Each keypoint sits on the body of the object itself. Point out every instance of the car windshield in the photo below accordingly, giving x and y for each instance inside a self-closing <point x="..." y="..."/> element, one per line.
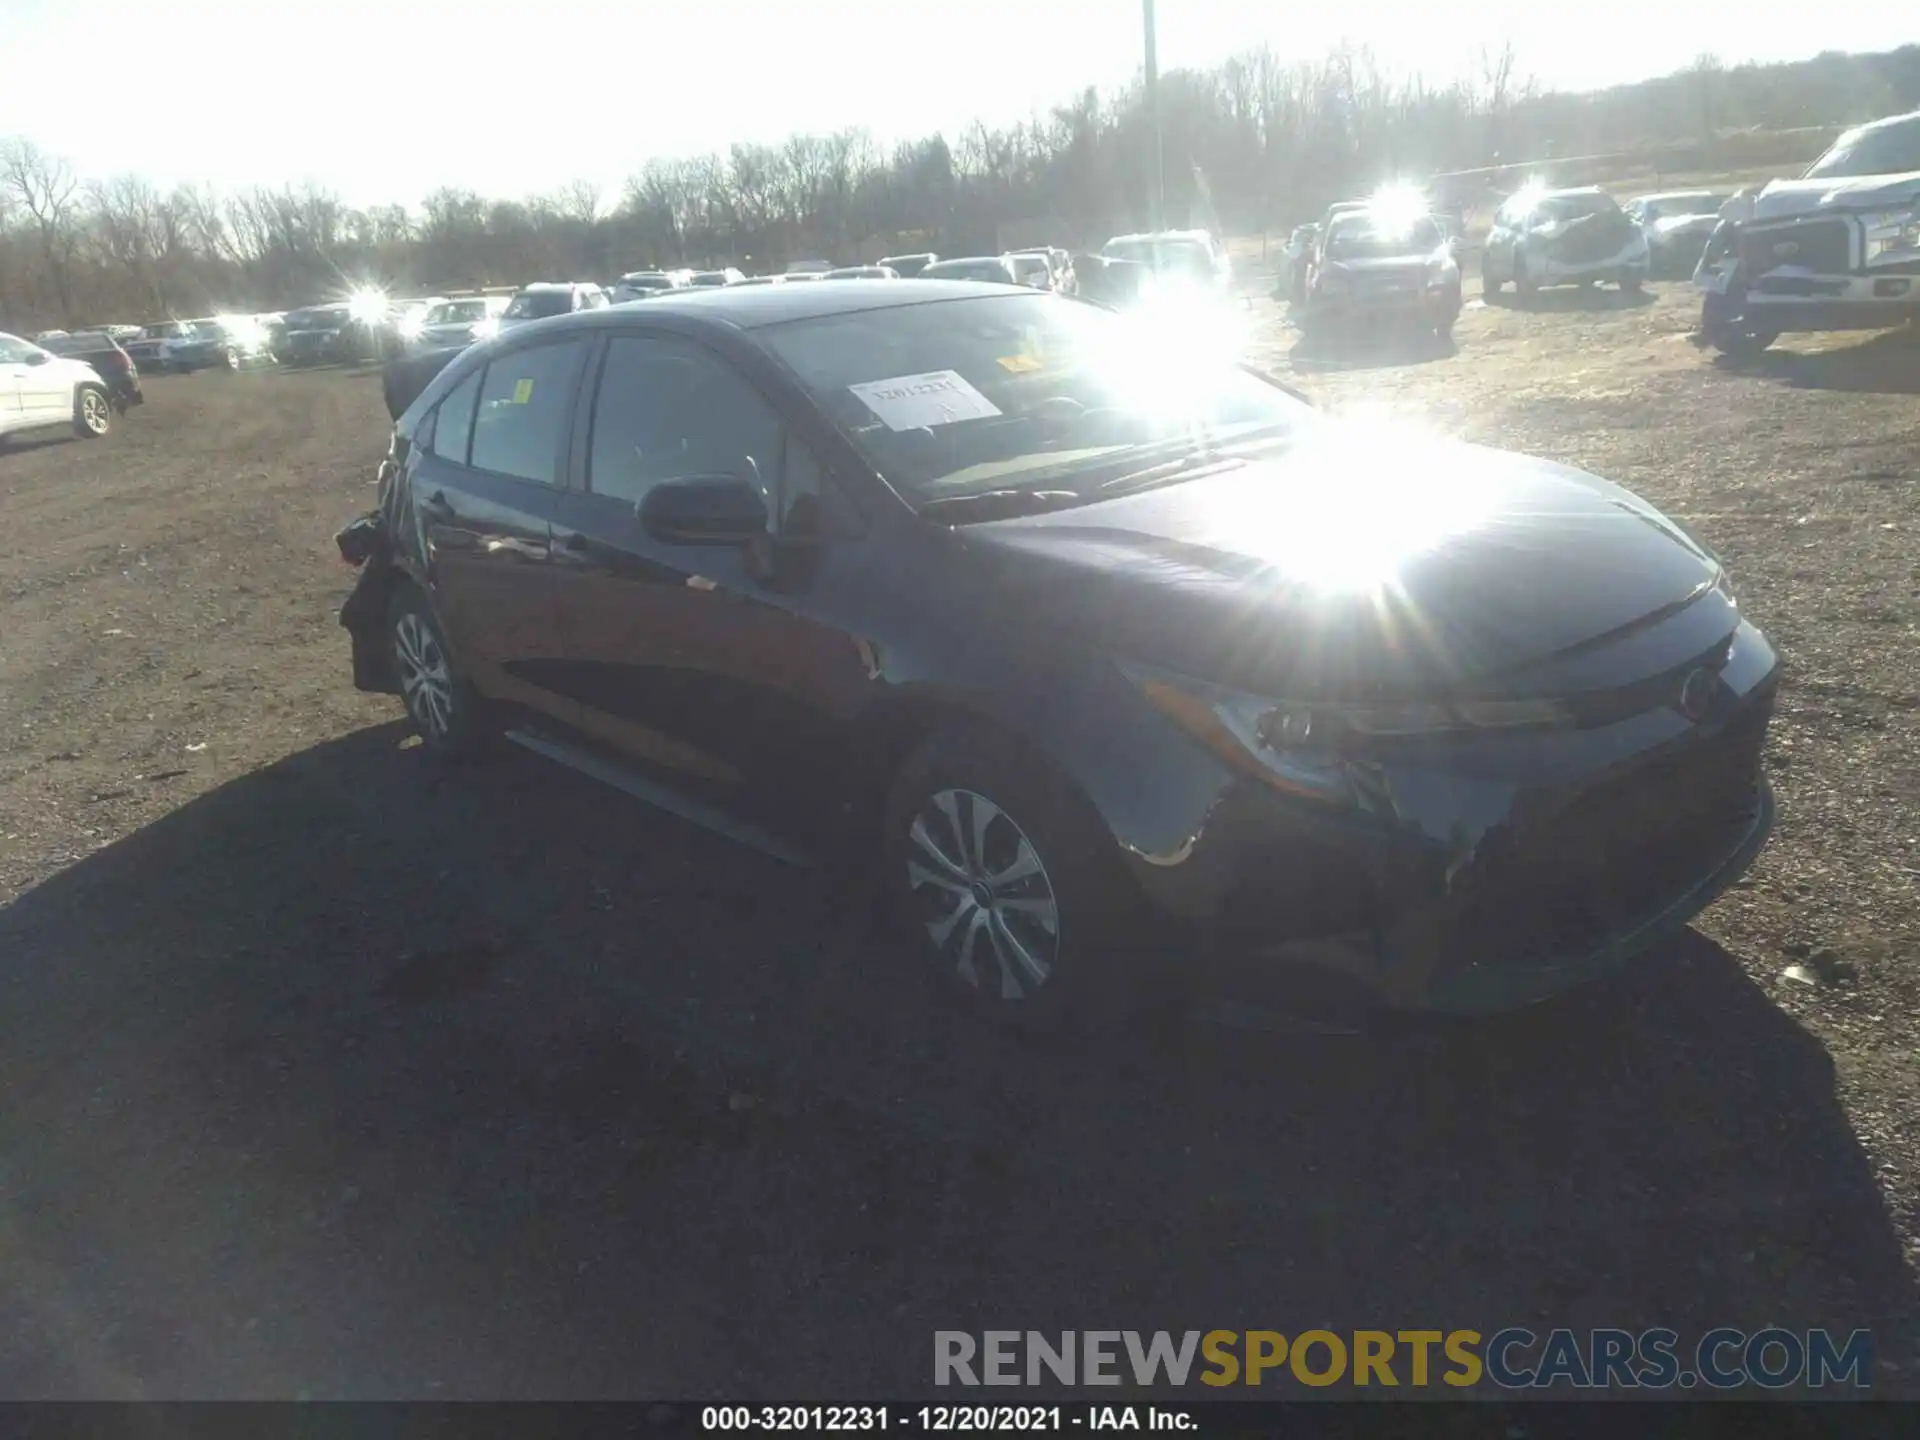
<point x="1034" y="265"/>
<point x="1167" y="257"/>
<point x="1367" y="240"/>
<point x="646" y="282"/>
<point x="535" y="304"/>
<point x="968" y="270"/>
<point x="961" y="397"/>
<point x="457" y="312"/>
<point x="172" y="330"/>
<point x="1879" y="150"/>
<point x="1574" y="207"/>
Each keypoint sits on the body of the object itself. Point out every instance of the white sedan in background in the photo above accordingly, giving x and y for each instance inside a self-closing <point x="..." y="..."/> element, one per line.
<point x="40" y="389"/>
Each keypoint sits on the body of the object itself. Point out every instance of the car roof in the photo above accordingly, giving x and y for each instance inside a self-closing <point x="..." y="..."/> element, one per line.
<point x="748" y="307"/>
<point x="1681" y="195"/>
<point x="1571" y="192"/>
<point x="553" y="285"/>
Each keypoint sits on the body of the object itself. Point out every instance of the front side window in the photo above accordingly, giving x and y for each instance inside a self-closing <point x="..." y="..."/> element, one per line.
<point x="453" y="420"/>
<point x="1019" y="390"/>
<point x="667" y="410"/>
<point x="14" y="350"/>
<point x="526" y="401"/>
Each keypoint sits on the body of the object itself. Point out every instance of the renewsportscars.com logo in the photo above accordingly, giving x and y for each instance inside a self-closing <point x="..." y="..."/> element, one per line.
<point x="1514" y="1358"/>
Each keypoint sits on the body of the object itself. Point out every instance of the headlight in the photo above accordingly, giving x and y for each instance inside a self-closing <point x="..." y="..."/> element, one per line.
<point x="1893" y="237"/>
<point x="1305" y="748"/>
<point x="409" y="326"/>
<point x="484" y="328"/>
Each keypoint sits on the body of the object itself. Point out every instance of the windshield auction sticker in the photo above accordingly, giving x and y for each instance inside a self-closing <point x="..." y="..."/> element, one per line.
<point x="918" y="402"/>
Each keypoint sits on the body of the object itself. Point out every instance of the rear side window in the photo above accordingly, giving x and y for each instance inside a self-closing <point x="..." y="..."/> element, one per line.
<point x="526" y="401"/>
<point x="453" y="422"/>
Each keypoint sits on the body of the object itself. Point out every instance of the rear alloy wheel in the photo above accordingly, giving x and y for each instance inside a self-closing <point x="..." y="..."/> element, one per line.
<point x="92" y="412"/>
<point x="442" y="707"/>
<point x="1003" y="882"/>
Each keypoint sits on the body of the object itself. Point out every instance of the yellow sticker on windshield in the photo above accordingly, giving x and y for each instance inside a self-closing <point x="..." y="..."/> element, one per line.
<point x="522" y="391"/>
<point x="1020" y="364"/>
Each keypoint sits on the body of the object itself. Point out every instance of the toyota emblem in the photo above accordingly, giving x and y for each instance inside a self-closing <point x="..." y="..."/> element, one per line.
<point x="1696" y="693"/>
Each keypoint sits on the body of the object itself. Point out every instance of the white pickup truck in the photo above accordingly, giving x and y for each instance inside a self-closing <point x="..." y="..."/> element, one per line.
<point x="1837" y="249"/>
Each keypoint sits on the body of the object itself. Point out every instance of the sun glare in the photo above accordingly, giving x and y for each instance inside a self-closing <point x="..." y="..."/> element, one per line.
<point x="1395" y="208"/>
<point x="1365" y="503"/>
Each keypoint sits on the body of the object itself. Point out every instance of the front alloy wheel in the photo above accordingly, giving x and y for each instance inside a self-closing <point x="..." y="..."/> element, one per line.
<point x="988" y="904"/>
<point x="92" y="412"/>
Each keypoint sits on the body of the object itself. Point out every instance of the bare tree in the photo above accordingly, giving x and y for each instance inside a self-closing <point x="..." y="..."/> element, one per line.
<point x="46" y="189"/>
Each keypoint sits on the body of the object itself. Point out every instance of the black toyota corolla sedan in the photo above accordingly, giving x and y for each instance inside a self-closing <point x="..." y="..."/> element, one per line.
<point x="1110" y="651"/>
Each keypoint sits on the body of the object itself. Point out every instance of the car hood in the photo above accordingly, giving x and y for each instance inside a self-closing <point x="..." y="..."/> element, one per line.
<point x="1783" y="199"/>
<point x="1353" y="567"/>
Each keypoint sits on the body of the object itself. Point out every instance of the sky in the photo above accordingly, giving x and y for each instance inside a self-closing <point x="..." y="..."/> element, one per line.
<point x="384" y="102"/>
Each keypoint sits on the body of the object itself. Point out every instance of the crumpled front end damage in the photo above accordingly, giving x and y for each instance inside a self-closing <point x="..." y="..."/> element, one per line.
<point x="1809" y="259"/>
<point x="1478" y="875"/>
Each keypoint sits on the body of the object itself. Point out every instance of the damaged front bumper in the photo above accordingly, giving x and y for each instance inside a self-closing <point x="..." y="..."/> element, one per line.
<point x="1550" y="265"/>
<point x="1803" y="273"/>
<point x="1489" y="874"/>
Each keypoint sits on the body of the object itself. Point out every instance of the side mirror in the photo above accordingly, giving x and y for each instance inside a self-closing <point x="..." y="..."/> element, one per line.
<point x="704" y="510"/>
<point x="37" y="357"/>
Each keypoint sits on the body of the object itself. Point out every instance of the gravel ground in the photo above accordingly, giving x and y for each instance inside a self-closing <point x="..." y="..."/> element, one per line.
<point x="328" y="1073"/>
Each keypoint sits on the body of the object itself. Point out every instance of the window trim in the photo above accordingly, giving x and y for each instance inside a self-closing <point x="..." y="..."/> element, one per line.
<point x="479" y="376"/>
<point x="563" y="452"/>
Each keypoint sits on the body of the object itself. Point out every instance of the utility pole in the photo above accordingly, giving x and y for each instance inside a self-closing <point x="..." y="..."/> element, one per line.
<point x="1159" y="179"/>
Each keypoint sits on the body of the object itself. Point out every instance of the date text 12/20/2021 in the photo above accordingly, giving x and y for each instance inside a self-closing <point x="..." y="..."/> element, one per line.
<point x="940" y="1419"/>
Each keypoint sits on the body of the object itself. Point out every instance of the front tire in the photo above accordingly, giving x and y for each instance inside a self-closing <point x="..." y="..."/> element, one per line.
<point x="92" y="412"/>
<point x="1524" y="286"/>
<point x="444" y="710"/>
<point x="1005" y="884"/>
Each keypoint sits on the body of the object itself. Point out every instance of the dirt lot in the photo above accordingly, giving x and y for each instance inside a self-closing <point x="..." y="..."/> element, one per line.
<point x="327" y="1073"/>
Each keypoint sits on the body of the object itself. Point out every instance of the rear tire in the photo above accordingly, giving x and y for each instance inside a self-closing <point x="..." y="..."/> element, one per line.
<point x="1632" y="282"/>
<point x="444" y="710"/>
<point x="92" y="412"/>
<point x="1004" y="884"/>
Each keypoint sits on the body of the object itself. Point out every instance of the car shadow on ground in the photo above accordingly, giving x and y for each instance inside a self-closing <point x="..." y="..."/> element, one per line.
<point x="1572" y="299"/>
<point x="361" y="1076"/>
<point x="22" y="441"/>
<point x="1379" y="349"/>
<point x="1886" y="364"/>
